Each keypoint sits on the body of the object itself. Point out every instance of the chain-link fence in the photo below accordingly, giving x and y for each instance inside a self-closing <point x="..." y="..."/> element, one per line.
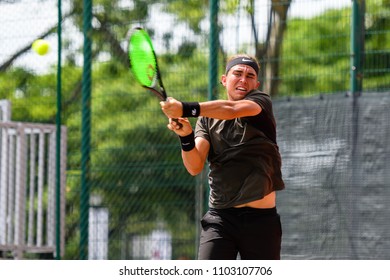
<point x="128" y="195"/>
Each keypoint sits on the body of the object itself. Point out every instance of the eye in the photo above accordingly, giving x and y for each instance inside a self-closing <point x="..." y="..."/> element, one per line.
<point x="237" y="73"/>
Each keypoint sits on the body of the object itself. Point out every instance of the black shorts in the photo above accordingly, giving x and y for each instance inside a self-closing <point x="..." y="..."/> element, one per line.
<point x="254" y="234"/>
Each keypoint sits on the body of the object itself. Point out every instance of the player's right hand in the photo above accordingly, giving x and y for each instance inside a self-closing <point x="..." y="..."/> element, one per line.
<point x="172" y="108"/>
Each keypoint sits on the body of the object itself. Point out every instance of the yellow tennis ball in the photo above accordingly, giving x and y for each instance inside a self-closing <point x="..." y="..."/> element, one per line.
<point x="41" y="46"/>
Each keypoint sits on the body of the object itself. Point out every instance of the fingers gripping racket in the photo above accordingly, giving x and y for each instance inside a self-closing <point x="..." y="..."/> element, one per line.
<point x="143" y="63"/>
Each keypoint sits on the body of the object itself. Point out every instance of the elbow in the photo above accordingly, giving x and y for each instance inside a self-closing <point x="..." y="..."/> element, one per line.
<point x="194" y="171"/>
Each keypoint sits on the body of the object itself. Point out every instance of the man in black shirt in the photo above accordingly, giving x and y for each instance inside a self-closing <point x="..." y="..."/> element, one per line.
<point x="237" y="137"/>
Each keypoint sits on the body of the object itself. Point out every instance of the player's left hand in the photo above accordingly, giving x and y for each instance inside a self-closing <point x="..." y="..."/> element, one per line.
<point x="181" y="127"/>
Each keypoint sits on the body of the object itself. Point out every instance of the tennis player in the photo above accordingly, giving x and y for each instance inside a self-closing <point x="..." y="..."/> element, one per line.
<point x="237" y="137"/>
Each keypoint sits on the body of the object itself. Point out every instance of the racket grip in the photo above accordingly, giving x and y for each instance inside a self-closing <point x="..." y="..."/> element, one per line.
<point x="177" y="121"/>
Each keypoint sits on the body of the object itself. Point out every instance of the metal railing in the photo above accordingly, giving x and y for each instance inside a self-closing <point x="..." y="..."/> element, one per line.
<point x="28" y="190"/>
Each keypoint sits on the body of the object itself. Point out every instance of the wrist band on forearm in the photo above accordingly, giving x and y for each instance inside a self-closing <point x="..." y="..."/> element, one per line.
<point x="187" y="142"/>
<point x="191" y="109"/>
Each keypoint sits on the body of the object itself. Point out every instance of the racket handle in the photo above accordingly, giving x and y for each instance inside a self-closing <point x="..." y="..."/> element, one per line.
<point x="177" y="121"/>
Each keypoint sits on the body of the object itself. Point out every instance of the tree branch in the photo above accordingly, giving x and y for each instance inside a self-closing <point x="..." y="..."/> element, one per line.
<point x="8" y="63"/>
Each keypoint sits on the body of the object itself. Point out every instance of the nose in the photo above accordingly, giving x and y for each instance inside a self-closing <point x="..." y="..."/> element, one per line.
<point x="243" y="79"/>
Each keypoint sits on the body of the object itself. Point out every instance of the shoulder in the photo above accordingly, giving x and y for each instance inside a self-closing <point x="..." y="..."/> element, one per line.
<point x="261" y="98"/>
<point x="257" y="94"/>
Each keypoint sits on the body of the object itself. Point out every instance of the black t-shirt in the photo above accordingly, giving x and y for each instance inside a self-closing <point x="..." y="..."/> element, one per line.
<point x="244" y="159"/>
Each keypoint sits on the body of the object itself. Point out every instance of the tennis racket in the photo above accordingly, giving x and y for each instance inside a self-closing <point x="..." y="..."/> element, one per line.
<point x="143" y="63"/>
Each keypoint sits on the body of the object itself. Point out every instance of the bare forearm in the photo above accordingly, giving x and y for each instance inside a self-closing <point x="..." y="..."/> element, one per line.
<point x="218" y="109"/>
<point x="192" y="161"/>
<point x="226" y="110"/>
<point x="195" y="159"/>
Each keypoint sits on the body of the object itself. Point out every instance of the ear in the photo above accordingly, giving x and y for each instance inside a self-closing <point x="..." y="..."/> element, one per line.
<point x="223" y="80"/>
<point x="258" y="84"/>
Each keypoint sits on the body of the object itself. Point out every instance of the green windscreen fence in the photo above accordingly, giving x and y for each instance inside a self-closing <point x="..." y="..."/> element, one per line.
<point x="138" y="201"/>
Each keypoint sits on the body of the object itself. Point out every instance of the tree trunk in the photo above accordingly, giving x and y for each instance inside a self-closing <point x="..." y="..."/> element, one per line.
<point x="277" y="28"/>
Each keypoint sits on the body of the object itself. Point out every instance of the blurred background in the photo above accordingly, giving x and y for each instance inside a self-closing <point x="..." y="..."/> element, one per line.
<point x="90" y="171"/>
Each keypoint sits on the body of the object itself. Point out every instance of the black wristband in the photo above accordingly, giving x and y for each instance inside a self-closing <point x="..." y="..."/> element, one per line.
<point x="191" y="109"/>
<point x="187" y="142"/>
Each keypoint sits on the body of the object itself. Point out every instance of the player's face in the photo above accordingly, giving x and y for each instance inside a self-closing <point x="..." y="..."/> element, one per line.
<point x="240" y="80"/>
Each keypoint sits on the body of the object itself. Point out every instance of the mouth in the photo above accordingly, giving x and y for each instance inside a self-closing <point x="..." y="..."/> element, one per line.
<point x="242" y="89"/>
